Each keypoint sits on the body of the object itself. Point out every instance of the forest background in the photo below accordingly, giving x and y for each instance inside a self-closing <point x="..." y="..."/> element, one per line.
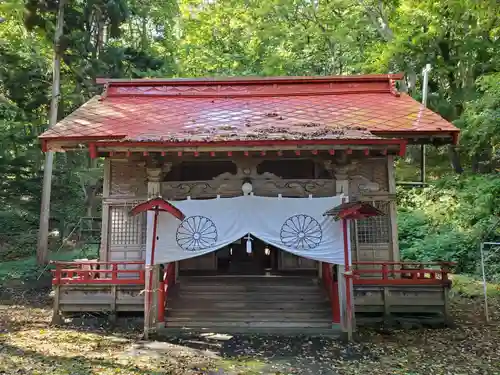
<point x="445" y="220"/>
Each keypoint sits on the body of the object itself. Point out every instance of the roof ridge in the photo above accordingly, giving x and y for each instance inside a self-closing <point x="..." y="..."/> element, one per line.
<point x="249" y="80"/>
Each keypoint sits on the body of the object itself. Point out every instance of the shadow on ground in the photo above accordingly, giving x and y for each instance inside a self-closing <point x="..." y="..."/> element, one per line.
<point x="267" y="354"/>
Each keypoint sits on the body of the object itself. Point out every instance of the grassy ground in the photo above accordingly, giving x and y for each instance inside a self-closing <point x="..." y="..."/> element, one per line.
<point x="26" y="270"/>
<point x="28" y="345"/>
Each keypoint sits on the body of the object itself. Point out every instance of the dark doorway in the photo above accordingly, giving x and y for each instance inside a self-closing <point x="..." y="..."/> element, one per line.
<point x="234" y="259"/>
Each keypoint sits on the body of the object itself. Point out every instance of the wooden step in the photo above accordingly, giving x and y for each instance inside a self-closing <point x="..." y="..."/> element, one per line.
<point x="251" y="296"/>
<point x="260" y="280"/>
<point x="248" y="288"/>
<point x="246" y="305"/>
<point x="250" y="315"/>
<point x="197" y="323"/>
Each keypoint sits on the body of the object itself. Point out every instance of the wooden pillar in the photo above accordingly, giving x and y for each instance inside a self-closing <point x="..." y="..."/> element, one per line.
<point x="345" y="289"/>
<point x="154" y="182"/>
<point x="106" y="188"/>
<point x="392" y="210"/>
<point x="56" y="314"/>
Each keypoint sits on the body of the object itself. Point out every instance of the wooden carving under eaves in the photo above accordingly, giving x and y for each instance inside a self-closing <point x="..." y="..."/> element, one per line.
<point x="264" y="184"/>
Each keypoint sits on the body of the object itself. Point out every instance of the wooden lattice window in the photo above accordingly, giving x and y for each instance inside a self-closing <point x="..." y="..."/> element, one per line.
<point x="126" y="229"/>
<point x="376" y="229"/>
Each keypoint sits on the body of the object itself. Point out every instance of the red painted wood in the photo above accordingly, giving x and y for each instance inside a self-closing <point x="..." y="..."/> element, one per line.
<point x="395" y="273"/>
<point x="336" y="304"/>
<point x="331" y="287"/>
<point x="169" y="282"/>
<point x="74" y="273"/>
<point x="161" y="302"/>
<point x="248" y="80"/>
<point x="92" y="150"/>
<point x="158" y="204"/>
<point x="405" y="263"/>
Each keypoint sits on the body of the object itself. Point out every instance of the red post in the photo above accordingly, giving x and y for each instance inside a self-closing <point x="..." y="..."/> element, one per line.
<point x="161" y="302"/>
<point x="384" y="272"/>
<point x="335" y="302"/>
<point x="149" y="292"/>
<point x="56" y="280"/>
<point x="114" y="272"/>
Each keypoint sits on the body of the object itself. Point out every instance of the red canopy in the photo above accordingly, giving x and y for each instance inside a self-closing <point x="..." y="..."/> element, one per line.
<point x="157" y="204"/>
<point x="353" y="211"/>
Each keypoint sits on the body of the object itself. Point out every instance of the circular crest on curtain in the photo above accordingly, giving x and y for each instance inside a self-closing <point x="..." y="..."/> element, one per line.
<point x="301" y="232"/>
<point x="196" y="233"/>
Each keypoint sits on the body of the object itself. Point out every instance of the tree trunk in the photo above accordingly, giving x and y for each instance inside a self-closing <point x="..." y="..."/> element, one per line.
<point x="42" y="253"/>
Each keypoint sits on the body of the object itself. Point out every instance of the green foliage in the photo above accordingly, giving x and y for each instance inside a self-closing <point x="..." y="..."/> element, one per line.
<point x="470" y="287"/>
<point x="27" y="269"/>
<point x="235" y="37"/>
<point x="449" y="219"/>
<point x="481" y="124"/>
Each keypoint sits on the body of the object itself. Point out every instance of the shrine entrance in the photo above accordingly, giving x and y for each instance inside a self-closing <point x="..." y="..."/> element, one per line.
<point x="235" y="259"/>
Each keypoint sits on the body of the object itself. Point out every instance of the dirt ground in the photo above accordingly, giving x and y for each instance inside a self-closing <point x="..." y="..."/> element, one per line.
<point x="29" y="345"/>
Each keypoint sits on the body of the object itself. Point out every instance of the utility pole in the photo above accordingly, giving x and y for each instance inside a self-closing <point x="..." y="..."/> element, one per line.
<point x="42" y="252"/>
<point x="425" y="89"/>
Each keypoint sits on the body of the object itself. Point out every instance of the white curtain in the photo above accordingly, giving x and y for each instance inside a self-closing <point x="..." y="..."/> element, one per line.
<point x="296" y="225"/>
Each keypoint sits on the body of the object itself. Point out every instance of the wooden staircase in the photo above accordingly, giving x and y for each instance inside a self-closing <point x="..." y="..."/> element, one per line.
<point x="270" y="304"/>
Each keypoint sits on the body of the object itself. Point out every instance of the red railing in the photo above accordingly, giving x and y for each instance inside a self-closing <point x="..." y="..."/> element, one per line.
<point x="332" y="289"/>
<point x="167" y="282"/>
<point x="401" y="273"/>
<point x="88" y="272"/>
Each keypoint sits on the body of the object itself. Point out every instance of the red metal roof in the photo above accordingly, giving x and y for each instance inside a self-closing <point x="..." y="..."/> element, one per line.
<point x="353" y="211"/>
<point x="250" y="109"/>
